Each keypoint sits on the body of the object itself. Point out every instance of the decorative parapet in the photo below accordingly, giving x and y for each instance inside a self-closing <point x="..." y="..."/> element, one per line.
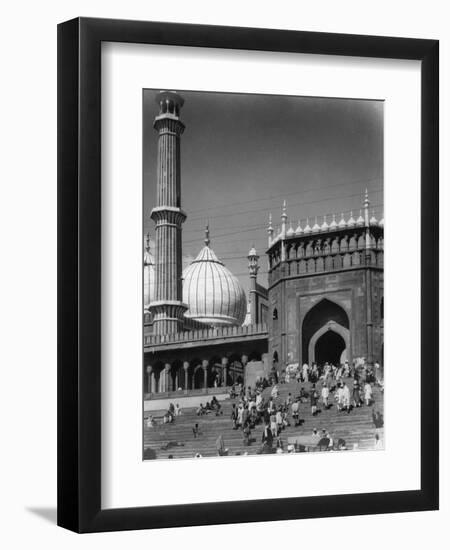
<point x="205" y="334"/>
<point x="336" y="249"/>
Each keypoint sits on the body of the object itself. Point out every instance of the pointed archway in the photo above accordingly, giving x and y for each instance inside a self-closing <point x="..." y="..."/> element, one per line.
<point x="329" y="345"/>
<point x="330" y="348"/>
<point x="326" y="334"/>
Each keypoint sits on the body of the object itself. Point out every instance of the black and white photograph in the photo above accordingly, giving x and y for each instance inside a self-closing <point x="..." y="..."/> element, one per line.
<point x="263" y="274"/>
<point x="206" y="341"/>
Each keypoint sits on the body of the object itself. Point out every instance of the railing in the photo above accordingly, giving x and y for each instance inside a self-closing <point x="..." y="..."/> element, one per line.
<point x="191" y="393"/>
<point x="205" y="334"/>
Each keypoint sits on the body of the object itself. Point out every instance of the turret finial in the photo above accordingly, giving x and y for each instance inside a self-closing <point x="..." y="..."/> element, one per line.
<point x="366" y="209"/>
<point x="207" y="241"/>
<point x="147" y="242"/>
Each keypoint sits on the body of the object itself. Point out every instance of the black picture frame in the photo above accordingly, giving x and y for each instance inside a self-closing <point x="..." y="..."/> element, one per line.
<point x="79" y="274"/>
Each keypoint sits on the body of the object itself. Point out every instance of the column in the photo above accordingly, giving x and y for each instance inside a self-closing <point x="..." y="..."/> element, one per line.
<point x="186" y="375"/>
<point x="167" y="378"/>
<point x="205" y="364"/>
<point x="149" y="378"/>
<point x="224" y="371"/>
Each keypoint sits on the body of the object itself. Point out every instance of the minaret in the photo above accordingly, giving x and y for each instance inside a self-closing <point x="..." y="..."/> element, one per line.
<point x="168" y="308"/>
<point x="368" y="276"/>
<point x="366" y="219"/>
<point x="270" y="231"/>
<point x="253" y="269"/>
<point x="283" y="232"/>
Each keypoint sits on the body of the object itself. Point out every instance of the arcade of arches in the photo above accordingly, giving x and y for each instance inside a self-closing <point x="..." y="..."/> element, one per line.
<point x="326" y="334"/>
<point x="197" y="373"/>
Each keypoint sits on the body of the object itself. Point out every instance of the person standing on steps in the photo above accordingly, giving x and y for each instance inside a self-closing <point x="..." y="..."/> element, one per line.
<point x="346" y="397"/>
<point x="368" y="393"/>
<point x="294" y="410"/>
<point x="288" y="400"/>
<point x="356" y="394"/>
<point x="305" y="372"/>
<point x="325" y="394"/>
<point x="340" y="397"/>
<point x="267" y="439"/>
<point x="314" y="397"/>
<point x="234" y="416"/>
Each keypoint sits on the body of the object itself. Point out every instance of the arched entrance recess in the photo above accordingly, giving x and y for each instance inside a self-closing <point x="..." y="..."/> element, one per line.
<point x="329" y="344"/>
<point x="198" y="378"/>
<point x="326" y="334"/>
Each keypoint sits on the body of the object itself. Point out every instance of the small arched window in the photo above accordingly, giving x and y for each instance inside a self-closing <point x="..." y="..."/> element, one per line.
<point x="275" y="314"/>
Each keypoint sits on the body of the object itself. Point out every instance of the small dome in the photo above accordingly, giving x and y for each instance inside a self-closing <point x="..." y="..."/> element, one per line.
<point x="324" y="226"/>
<point x="351" y="221"/>
<point x="342" y="223"/>
<point x="214" y="295"/>
<point x="373" y="220"/>
<point x="316" y="227"/>
<point x="299" y="229"/>
<point x="290" y="232"/>
<point x="333" y="224"/>
<point x="307" y="227"/>
<point x="360" y="220"/>
<point x="381" y="222"/>
<point x="252" y="252"/>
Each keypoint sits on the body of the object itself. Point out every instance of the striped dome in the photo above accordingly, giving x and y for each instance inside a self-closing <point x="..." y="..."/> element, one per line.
<point x="213" y="294"/>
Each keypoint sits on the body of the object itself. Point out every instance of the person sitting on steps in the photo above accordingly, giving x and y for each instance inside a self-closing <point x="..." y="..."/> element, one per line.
<point x="201" y="410"/>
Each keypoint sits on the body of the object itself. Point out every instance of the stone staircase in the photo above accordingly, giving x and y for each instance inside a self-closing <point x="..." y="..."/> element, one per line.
<point x="356" y="428"/>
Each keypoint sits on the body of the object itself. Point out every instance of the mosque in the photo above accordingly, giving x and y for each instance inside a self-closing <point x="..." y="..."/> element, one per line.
<point x="324" y="299"/>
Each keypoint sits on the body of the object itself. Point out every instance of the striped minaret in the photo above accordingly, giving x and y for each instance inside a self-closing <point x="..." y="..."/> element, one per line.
<point x="168" y="308"/>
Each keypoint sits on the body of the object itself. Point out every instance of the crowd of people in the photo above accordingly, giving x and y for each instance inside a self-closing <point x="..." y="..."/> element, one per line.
<point x="320" y="387"/>
<point x="168" y="417"/>
<point x="346" y="387"/>
<point x="212" y="406"/>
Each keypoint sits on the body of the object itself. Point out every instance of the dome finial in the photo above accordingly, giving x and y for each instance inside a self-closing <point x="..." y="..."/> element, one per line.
<point x="207" y="240"/>
<point x="147" y="242"/>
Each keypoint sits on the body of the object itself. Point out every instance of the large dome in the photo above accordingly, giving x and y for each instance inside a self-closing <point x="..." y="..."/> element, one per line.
<point x="213" y="294"/>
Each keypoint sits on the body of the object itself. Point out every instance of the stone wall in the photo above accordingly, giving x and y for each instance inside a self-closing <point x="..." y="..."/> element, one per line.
<point x="292" y="298"/>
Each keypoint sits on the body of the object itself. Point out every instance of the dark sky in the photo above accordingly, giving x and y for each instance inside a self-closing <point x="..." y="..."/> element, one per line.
<point x="242" y="154"/>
